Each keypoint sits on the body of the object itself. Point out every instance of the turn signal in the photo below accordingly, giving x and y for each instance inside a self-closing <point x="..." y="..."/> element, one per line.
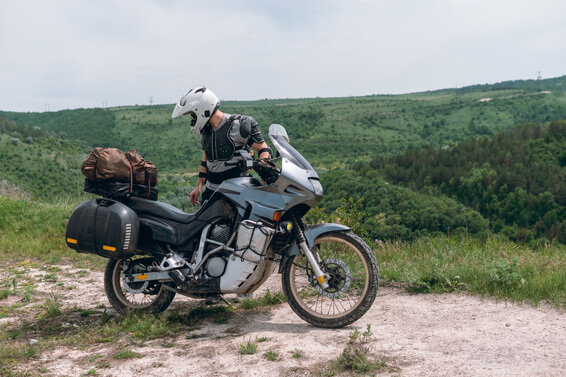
<point x="276" y="215"/>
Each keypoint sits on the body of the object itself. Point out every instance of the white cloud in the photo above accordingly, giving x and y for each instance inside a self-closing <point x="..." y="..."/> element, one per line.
<point x="79" y="53"/>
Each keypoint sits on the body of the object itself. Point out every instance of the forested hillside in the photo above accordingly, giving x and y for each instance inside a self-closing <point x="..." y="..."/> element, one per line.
<point x="516" y="180"/>
<point x="418" y="164"/>
<point x="331" y="132"/>
<point x="38" y="163"/>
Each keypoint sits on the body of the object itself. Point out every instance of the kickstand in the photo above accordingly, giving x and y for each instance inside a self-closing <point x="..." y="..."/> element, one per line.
<point x="226" y="301"/>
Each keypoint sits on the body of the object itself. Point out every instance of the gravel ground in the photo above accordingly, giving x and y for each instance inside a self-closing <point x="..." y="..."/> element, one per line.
<point x="417" y="335"/>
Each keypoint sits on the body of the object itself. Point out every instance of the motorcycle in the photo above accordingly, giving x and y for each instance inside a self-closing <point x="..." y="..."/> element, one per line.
<point x="232" y="245"/>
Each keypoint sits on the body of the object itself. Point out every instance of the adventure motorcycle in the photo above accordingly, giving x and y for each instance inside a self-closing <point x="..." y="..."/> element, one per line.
<point x="232" y="244"/>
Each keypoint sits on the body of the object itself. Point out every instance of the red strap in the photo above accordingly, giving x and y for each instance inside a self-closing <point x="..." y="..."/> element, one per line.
<point x="131" y="173"/>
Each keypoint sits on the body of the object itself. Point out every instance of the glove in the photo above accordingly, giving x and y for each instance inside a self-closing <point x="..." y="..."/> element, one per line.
<point x="267" y="170"/>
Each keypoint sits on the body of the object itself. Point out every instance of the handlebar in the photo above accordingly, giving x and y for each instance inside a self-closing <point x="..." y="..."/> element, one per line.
<point x="246" y="162"/>
<point x="267" y="171"/>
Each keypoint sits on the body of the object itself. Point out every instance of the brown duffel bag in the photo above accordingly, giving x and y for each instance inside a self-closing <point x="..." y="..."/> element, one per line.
<point x="145" y="172"/>
<point x="107" y="169"/>
<point x="114" y="165"/>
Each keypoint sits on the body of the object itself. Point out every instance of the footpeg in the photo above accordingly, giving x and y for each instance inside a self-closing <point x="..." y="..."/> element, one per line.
<point x="179" y="279"/>
<point x="172" y="261"/>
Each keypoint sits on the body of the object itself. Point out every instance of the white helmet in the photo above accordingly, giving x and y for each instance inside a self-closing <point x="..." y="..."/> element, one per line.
<point x="200" y="103"/>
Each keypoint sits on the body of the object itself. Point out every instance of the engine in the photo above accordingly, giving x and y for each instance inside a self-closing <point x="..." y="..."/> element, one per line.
<point x="216" y="265"/>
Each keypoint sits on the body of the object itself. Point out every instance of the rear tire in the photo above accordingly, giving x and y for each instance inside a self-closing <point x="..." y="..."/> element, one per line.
<point x="353" y="281"/>
<point x="153" y="298"/>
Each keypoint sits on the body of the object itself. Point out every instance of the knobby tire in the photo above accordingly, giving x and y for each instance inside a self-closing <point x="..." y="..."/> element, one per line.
<point x="353" y="282"/>
<point x="126" y="302"/>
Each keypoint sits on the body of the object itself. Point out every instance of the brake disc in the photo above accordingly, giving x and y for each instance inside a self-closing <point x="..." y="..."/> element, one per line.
<point x="128" y="267"/>
<point x="339" y="278"/>
<point x="135" y="287"/>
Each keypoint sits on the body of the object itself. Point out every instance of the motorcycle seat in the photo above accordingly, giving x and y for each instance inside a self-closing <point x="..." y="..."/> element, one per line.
<point x="159" y="209"/>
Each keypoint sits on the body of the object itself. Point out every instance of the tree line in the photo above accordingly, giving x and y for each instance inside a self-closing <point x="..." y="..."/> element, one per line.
<point x="516" y="179"/>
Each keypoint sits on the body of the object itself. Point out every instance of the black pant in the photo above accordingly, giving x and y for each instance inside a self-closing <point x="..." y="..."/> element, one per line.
<point x="207" y="193"/>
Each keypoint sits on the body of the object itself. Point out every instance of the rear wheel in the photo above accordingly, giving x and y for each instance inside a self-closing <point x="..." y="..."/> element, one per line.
<point x="140" y="297"/>
<point x="353" y="280"/>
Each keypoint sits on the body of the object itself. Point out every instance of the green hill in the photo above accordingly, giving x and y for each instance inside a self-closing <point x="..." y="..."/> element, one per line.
<point x="39" y="163"/>
<point x="516" y="180"/>
<point x="382" y="148"/>
<point x="331" y="132"/>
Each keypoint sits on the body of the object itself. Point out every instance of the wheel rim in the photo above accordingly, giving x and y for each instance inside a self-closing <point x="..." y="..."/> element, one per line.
<point x="138" y="295"/>
<point x="348" y="282"/>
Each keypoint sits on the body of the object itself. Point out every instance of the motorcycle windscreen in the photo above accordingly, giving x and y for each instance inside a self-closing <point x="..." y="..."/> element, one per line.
<point x="285" y="149"/>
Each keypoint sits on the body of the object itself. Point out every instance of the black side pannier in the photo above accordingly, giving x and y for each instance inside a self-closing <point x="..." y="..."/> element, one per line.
<point x="104" y="227"/>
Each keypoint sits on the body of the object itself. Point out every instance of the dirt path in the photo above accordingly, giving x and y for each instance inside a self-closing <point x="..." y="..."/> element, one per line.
<point x="418" y="335"/>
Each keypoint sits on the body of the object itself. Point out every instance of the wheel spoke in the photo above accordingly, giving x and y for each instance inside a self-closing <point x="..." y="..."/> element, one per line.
<point x="147" y="296"/>
<point x="348" y="270"/>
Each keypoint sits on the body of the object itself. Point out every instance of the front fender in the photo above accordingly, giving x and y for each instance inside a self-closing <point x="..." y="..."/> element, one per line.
<point x="311" y="233"/>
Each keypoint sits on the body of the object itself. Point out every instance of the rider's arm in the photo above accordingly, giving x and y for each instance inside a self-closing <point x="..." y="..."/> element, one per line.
<point x="263" y="150"/>
<point x="256" y="140"/>
<point x="202" y="171"/>
<point x="200" y="181"/>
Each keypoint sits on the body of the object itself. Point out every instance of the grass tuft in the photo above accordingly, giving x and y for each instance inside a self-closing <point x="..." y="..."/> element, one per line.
<point x="248" y="347"/>
<point x="269" y="299"/>
<point x="52" y="307"/>
<point x="356" y="354"/>
<point x="125" y="353"/>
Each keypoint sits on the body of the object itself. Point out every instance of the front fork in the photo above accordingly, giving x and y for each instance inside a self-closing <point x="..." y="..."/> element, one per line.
<point x="298" y="232"/>
<point x="314" y="264"/>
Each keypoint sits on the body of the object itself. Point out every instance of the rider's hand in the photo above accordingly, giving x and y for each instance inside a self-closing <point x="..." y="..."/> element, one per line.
<point x="194" y="195"/>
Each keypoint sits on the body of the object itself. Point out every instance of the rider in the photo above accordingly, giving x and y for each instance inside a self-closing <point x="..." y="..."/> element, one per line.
<point x="220" y="138"/>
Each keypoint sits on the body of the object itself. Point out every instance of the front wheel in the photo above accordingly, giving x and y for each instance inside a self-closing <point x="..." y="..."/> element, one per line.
<point x="353" y="280"/>
<point x="138" y="297"/>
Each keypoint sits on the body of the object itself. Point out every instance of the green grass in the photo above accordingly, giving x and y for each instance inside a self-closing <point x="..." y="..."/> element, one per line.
<point x="268" y="299"/>
<point x="494" y="267"/>
<point x="90" y="331"/>
<point x="125" y="353"/>
<point x="272" y="356"/>
<point x="31" y="229"/>
<point x="52" y="307"/>
<point x="219" y="314"/>
<point x="356" y="356"/>
<point x="248" y="347"/>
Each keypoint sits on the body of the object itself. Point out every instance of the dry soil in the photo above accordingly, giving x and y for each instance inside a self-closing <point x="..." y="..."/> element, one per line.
<point x="417" y="335"/>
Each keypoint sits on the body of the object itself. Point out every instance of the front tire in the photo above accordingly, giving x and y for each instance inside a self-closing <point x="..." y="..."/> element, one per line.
<point x="353" y="281"/>
<point x="150" y="298"/>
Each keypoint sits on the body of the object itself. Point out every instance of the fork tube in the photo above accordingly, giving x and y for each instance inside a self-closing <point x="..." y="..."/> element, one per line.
<point x="315" y="267"/>
<point x="298" y="232"/>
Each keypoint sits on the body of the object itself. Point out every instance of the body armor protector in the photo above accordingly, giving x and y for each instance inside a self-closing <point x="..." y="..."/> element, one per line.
<point x="221" y="145"/>
<point x="218" y="145"/>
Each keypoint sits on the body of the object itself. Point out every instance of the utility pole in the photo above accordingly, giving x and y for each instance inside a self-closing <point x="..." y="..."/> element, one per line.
<point x="150" y="101"/>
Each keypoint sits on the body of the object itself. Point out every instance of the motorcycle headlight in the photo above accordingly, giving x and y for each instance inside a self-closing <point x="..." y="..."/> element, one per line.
<point x="318" y="191"/>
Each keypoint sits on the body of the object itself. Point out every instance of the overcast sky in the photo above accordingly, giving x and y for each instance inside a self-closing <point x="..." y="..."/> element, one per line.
<point x="63" y="54"/>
